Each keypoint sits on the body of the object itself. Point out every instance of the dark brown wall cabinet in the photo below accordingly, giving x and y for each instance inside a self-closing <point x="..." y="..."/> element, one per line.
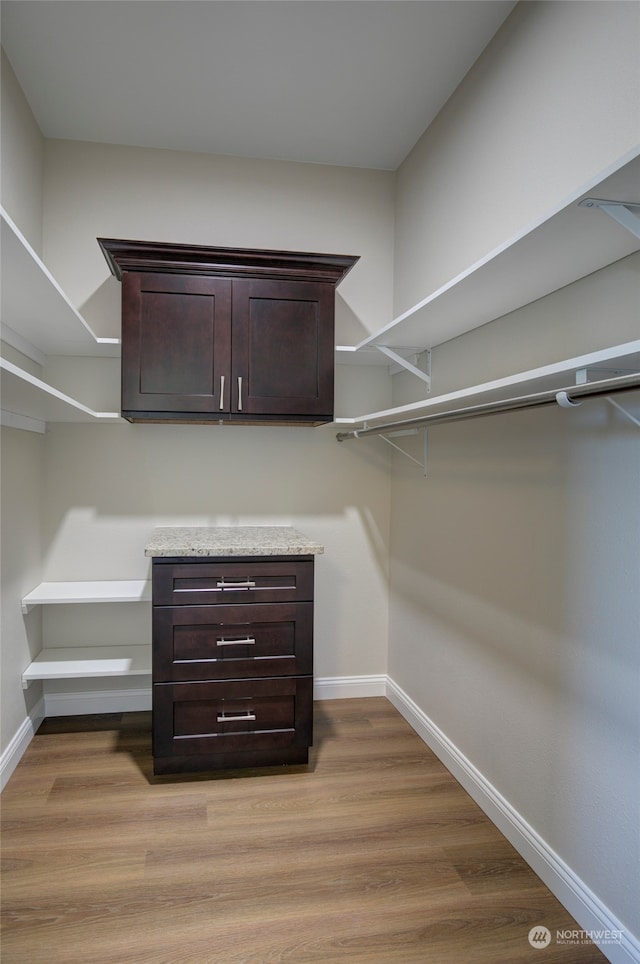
<point x="232" y="662"/>
<point x="226" y="334"/>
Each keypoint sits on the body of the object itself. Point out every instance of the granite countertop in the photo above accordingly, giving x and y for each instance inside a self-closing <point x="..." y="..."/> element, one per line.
<point x="185" y="541"/>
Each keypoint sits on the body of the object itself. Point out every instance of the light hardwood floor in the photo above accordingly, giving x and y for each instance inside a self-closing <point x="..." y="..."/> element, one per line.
<point x="371" y="854"/>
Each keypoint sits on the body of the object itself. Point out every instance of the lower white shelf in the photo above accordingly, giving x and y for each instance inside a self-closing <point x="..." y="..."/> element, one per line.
<point x="97" y="591"/>
<point x="91" y="661"/>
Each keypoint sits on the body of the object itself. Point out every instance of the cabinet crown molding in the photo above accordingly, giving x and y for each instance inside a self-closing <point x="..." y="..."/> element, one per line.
<point x="156" y="256"/>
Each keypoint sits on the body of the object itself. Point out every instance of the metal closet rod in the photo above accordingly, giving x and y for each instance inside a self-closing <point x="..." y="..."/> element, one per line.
<point x="565" y="397"/>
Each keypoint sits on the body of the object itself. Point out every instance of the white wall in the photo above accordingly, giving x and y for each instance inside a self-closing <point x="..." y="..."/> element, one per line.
<point x="96" y="190"/>
<point x="515" y="567"/>
<point x="552" y="103"/>
<point x="515" y="613"/>
<point x="22" y="490"/>
<point x="108" y="486"/>
<point x="22" y="158"/>
<point x="22" y="453"/>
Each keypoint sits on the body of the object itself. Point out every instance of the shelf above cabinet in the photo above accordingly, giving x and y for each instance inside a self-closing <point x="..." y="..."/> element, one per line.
<point x="36" y="309"/>
<point x="86" y="662"/>
<point x="571" y="242"/>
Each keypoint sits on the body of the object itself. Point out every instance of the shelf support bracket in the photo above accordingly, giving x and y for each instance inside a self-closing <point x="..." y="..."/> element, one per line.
<point x="407" y="365"/>
<point x="620" y="211"/>
<point x="425" y="447"/>
<point x="632" y="418"/>
<point x="582" y="377"/>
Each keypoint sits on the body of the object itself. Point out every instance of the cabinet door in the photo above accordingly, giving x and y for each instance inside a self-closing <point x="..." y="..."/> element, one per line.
<point x="283" y="349"/>
<point x="176" y="344"/>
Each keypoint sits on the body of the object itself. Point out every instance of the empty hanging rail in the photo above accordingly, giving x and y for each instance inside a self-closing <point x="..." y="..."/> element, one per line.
<point x="566" y="397"/>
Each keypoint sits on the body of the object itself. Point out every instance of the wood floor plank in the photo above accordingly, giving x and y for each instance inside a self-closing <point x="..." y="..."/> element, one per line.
<point x="372" y="855"/>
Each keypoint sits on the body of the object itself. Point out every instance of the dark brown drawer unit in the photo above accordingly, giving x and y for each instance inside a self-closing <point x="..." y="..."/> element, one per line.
<point x="232" y="662"/>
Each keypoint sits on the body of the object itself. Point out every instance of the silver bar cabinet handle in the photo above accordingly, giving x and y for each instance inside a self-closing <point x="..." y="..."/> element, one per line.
<point x="243" y="641"/>
<point x="236" y="719"/>
<point x="242" y="584"/>
<point x="239" y="393"/>
<point x="221" y="392"/>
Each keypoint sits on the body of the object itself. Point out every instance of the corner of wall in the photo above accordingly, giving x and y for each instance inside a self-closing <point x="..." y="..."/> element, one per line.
<point x="22" y="158"/>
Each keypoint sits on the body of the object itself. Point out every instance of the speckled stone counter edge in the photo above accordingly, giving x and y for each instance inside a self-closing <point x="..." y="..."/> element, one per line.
<point x="185" y="541"/>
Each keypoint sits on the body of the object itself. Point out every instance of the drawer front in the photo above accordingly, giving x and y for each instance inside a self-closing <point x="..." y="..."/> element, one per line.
<point x="238" y="715"/>
<point x="232" y="642"/>
<point x="223" y="583"/>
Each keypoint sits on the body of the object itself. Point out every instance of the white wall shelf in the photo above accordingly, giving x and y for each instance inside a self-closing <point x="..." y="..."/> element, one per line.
<point x="35" y="308"/>
<point x="39" y="320"/>
<point x="27" y="397"/>
<point x="567" y="244"/>
<point x="618" y="359"/>
<point x="89" y="662"/>
<point x="98" y="591"/>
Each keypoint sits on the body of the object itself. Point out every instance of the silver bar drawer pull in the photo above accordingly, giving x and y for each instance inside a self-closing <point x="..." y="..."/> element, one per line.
<point x="221" y="392"/>
<point x="239" y="393"/>
<point x="241" y="641"/>
<point x="245" y="717"/>
<point x="241" y="584"/>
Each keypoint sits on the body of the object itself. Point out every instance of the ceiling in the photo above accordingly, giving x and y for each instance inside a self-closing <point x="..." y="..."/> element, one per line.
<point x="346" y="82"/>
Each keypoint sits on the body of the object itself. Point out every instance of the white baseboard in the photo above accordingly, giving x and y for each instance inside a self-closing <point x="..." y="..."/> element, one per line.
<point x="128" y="701"/>
<point x="349" y="687"/>
<point x="98" y="701"/>
<point x="590" y="913"/>
<point x="19" y="742"/>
